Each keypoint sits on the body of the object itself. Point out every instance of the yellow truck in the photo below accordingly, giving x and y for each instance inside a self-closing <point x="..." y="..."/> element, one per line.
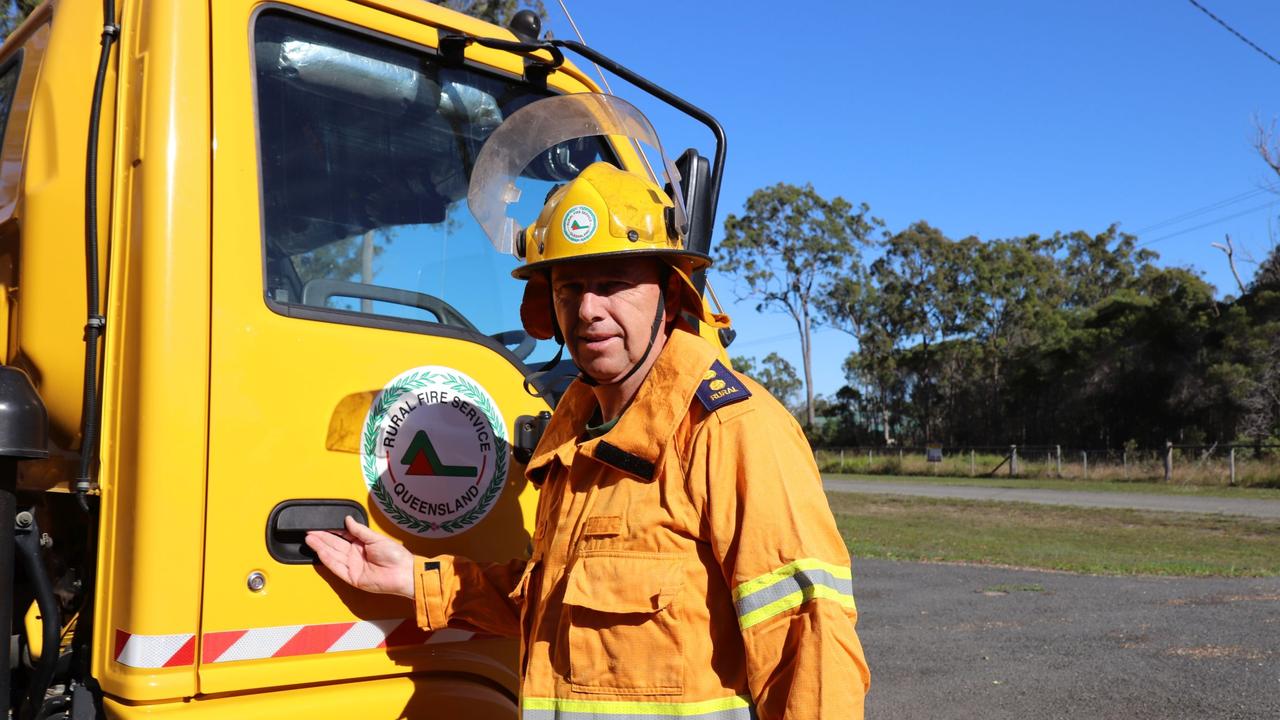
<point x="241" y="297"/>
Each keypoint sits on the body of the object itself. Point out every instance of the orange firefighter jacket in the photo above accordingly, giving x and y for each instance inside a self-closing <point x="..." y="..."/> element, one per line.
<point x="685" y="564"/>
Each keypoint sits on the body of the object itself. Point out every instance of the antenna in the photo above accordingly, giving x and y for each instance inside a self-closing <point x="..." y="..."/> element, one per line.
<point x="603" y="80"/>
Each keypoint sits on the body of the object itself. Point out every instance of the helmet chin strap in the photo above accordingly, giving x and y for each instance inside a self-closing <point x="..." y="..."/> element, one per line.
<point x="658" y="316"/>
<point x="653" y="337"/>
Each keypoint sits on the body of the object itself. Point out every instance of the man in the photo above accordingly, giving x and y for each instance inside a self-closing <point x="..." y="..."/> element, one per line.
<point x="685" y="562"/>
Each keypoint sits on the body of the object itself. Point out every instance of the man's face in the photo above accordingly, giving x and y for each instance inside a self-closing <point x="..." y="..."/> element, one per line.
<point x="605" y="309"/>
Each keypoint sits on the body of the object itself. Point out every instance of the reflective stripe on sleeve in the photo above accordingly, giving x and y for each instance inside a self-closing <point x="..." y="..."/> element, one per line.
<point x="730" y="708"/>
<point x="790" y="586"/>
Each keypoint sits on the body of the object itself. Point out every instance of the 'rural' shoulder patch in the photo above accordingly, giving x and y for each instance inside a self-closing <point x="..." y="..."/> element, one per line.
<point x="720" y="387"/>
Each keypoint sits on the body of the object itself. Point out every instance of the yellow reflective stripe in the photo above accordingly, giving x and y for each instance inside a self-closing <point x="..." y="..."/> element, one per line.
<point x="793" y="600"/>
<point x="610" y="707"/>
<point x="788" y="570"/>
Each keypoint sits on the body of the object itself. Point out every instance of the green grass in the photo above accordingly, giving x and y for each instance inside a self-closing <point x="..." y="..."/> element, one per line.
<point x="1189" y="468"/>
<point x="1146" y="488"/>
<point x="1085" y="540"/>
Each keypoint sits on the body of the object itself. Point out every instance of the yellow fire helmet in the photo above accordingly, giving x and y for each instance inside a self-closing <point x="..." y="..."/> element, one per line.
<point x="601" y="211"/>
<point x="604" y="212"/>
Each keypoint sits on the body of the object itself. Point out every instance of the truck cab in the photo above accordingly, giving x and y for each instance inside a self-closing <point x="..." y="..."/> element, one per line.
<point x="302" y="322"/>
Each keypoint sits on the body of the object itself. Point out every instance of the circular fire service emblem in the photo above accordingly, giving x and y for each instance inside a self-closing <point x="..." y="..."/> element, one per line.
<point x="434" y="451"/>
<point x="579" y="223"/>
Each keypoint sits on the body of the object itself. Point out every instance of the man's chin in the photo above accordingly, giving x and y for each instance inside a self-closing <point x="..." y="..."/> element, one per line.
<point x="602" y="372"/>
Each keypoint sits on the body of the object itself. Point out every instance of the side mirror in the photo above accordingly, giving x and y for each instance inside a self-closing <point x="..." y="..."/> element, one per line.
<point x="695" y="175"/>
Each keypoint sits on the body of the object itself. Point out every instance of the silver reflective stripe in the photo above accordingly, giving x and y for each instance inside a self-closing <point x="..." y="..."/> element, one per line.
<point x="799" y="582"/>
<point x="734" y="714"/>
<point x="733" y="708"/>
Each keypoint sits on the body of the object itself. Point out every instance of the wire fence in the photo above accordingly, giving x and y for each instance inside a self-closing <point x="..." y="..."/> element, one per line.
<point x="1219" y="464"/>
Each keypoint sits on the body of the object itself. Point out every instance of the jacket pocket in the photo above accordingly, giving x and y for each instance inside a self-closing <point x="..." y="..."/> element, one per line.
<point x="623" y="636"/>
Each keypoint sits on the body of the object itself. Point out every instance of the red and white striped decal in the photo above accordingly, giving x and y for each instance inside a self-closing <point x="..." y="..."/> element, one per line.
<point x="290" y="640"/>
<point x="155" y="651"/>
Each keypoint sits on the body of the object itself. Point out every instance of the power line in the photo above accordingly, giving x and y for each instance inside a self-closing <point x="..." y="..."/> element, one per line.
<point x="1207" y="224"/>
<point x="1202" y="210"/>
<point x="789" y="335"/>
<point x="1233" y="31"/>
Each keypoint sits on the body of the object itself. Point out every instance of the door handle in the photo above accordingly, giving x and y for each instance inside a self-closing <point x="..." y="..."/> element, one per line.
<point x="289" y="522"/>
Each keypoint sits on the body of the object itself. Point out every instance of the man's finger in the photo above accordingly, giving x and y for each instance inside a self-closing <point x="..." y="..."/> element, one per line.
<point x="331" y="558"/>
<point x="362" y="533"/>
<point x="323" y="538"/>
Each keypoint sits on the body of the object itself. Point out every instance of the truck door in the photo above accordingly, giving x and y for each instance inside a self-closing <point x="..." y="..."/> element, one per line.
<point x="367" y="355"/>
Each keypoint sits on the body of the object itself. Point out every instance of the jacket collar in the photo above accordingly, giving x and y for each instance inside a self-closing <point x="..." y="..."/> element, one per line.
<point x="634" y="445"/>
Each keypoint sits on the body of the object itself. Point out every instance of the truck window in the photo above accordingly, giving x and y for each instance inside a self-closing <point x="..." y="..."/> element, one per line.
<point x="9" y="72"/>
<point x="366" y="147"/>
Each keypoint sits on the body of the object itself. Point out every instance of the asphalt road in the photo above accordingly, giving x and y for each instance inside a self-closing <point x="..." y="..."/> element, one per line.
<point x="1169" y="503"/>
<point x="953" y="641"/>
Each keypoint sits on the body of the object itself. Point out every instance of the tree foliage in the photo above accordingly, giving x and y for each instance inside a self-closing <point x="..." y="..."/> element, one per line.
<point x="788" y="248"/>
<point x="1074" y="338"/>
<point x="1268" y="275"/>
<point x="13" y="12"/>
<point x="776" y="375"/>
<point x="498" y="12"/>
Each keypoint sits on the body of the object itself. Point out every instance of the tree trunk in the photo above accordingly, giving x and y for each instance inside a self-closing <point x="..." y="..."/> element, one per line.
<point x="928" y="392"/>
<point x="802" y="322"/>
<point x="366" y="269"/>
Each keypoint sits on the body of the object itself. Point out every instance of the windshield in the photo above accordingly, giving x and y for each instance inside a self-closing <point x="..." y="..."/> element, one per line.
<point x="367" y="149"/>
<point x="534" y="135"/>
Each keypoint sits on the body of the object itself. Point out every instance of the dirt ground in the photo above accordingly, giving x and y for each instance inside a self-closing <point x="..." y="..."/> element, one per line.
<point x="952" y="641"/>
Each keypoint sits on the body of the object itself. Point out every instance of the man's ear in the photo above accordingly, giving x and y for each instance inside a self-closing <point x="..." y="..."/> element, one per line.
<point x="671" y="296"/>
<point x="537" y="309"/>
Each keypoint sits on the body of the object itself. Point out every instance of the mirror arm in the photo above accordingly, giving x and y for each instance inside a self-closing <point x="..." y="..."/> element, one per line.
<point x="453" y="45"/>
<point x="670" y="98"/>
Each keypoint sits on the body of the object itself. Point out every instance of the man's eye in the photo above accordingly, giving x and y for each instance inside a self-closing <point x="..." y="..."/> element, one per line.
<point x="567" y="290"/>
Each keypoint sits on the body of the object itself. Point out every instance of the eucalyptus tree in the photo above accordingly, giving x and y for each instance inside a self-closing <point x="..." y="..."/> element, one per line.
<point x="1097" y="266"/>
<point x="923" y="278"/>
<point x="12" y="13"/>
<point x="786" y="248"/>
<point x="498" y="12"/>
<point x="776" y="374"/>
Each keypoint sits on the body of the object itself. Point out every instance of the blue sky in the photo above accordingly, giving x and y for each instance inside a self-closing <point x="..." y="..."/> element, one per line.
<point x="989" y="118"/>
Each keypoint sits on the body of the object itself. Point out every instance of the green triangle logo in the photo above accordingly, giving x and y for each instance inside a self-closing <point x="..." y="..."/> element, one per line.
<point x="422" y="459"/>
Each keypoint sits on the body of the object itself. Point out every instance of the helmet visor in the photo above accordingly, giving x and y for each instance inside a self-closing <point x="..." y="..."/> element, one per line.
<point x="543" y="139"/>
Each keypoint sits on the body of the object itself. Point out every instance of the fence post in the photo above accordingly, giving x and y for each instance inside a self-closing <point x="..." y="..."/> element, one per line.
<point x="1124" y="460"/>
<point x="871" y="458"/>
<point x="971" y="463"/>
<point x="1084" y="460"/>
<point x="1168" y="461"/>
<point x="1233" y="466"/>
<point x="1013" y="460"/>
<point x="1058" y="452"/>
<point x="841" y="459"/>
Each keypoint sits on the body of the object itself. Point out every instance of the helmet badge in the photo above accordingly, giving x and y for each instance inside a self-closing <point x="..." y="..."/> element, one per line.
<point x="579" y="224"/>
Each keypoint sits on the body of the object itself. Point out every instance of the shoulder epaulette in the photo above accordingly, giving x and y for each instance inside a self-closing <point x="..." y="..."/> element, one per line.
<point x="720" y="387"/>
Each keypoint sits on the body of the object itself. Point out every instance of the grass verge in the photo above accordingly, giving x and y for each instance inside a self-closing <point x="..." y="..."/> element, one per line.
<point x="1189" y="468"/>
<point x="1143" y="488"/>
<point x="1085" y="540"/>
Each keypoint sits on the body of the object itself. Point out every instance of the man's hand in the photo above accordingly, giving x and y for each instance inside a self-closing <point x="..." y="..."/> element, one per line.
<point x="365" y="559"/>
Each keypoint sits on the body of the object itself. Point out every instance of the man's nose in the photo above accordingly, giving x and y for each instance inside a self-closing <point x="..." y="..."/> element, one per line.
<point x="591" y="307"/>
